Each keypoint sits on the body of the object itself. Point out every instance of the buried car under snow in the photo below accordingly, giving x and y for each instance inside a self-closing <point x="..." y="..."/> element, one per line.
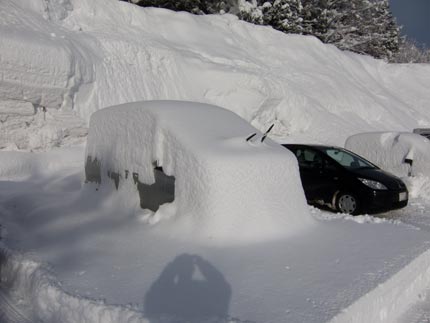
<point x="346" y="182"/>
<point x="196" y="157"/>
<point x="401" y="153"/>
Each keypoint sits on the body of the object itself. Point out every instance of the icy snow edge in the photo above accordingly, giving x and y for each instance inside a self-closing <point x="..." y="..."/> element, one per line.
<point x="33" y="285"/>
<point x="391" y="299"/>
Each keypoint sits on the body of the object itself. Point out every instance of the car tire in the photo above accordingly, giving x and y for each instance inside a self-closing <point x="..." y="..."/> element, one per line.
<point x="347" y="203"/>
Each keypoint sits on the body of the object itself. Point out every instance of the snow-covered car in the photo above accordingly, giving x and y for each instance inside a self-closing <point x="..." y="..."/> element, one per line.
<point x="425" y="132"/>
<point x="400" y="153"/>
<point x="196" y="158"/>
<point x="346" y="182"/>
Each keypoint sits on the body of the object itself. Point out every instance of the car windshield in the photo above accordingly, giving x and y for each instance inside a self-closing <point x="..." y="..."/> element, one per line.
<point x="347" y="159"/>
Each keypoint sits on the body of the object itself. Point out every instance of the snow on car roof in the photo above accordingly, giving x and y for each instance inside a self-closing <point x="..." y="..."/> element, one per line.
<point x="221" y="180"/>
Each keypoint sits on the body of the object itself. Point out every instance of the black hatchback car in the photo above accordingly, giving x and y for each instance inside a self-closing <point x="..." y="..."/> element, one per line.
<point x="346" y="182"/>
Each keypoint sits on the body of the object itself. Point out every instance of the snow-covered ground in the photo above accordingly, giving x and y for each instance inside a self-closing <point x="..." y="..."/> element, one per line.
<point x="85" y="256"/>
<point x="74" y="254"/>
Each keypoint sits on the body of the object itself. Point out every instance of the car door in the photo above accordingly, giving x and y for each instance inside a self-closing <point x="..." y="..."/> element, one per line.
<point x="319" y="174"/>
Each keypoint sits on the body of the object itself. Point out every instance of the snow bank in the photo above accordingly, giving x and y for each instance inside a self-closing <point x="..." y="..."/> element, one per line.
<point x="222" y="182"/>
<point x="388" y="301"/>
<point x="83" y="55"/>
<point x="390" y="150"/>
<point x="261" y="74"/>
<point x="34" y="286"/>
<point x="42" y="68"/>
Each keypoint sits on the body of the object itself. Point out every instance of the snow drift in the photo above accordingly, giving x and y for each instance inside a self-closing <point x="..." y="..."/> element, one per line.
<point x="72" y="58"/>
<point x="222" y="182"/>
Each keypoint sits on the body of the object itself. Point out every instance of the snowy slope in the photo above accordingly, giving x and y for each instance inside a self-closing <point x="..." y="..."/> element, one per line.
<point x="73" y="56"/>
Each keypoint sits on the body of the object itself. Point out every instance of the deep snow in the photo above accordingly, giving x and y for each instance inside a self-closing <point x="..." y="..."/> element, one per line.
<point x="74" y="58"/>
<point x="77" y="255"/>
<point x="97" y="248"/>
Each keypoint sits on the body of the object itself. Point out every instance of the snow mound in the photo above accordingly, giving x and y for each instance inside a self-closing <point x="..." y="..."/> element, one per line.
<point x="222" y="182"/>
<point x="392" y="150"/>
<point x="78" y="56"/>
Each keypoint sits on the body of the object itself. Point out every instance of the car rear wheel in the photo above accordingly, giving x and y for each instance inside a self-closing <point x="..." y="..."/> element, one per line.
<point x="347" y="203"/>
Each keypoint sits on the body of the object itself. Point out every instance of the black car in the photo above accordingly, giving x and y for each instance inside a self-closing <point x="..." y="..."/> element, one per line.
<point x="425" y="132"/>
<point x="346" y="182"/>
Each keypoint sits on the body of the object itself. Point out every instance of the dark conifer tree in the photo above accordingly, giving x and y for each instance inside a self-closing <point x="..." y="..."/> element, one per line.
<point x="362" y="26"/>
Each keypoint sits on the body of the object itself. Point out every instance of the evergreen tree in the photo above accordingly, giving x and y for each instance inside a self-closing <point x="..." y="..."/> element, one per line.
<point x="250" y="11"/>
<point x="283" y="15"/>
<point x="194" y="6"/>
<point x="362" y="26"/>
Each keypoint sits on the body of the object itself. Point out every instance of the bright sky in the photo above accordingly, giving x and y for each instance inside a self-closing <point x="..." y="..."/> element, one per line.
<point x="413" y="15"/>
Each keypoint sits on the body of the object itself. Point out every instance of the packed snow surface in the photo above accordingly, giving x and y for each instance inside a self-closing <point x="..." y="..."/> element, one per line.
<point x="87" y="257"/>
<point x="74" y="57"/>
<point x="222" y="181"/>
<point x="400" y="153"/>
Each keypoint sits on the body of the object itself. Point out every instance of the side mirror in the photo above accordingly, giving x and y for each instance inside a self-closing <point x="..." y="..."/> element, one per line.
<point x="409" y="161"/>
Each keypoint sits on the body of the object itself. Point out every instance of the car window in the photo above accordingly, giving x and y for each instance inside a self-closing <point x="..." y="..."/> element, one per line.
<point x="330" y="165"/>
<point x="347" y="159"/>
<point x="308" y="158"/>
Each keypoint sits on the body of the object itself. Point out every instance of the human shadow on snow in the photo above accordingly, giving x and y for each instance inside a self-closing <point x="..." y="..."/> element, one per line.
<point x="189" y="289"/>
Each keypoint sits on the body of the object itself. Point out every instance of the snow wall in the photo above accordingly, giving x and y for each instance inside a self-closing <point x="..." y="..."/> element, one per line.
<point x="223" y="183"/>
<point x="388" y="301"/>
<point x="74" y="57"/>
<point x="391" y="150"/>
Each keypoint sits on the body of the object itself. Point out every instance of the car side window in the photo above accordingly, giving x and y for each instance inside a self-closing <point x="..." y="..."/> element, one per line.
<point x="330" y="165"/>
<point x="308" y="159"/>
<point x="345" y="159"/>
